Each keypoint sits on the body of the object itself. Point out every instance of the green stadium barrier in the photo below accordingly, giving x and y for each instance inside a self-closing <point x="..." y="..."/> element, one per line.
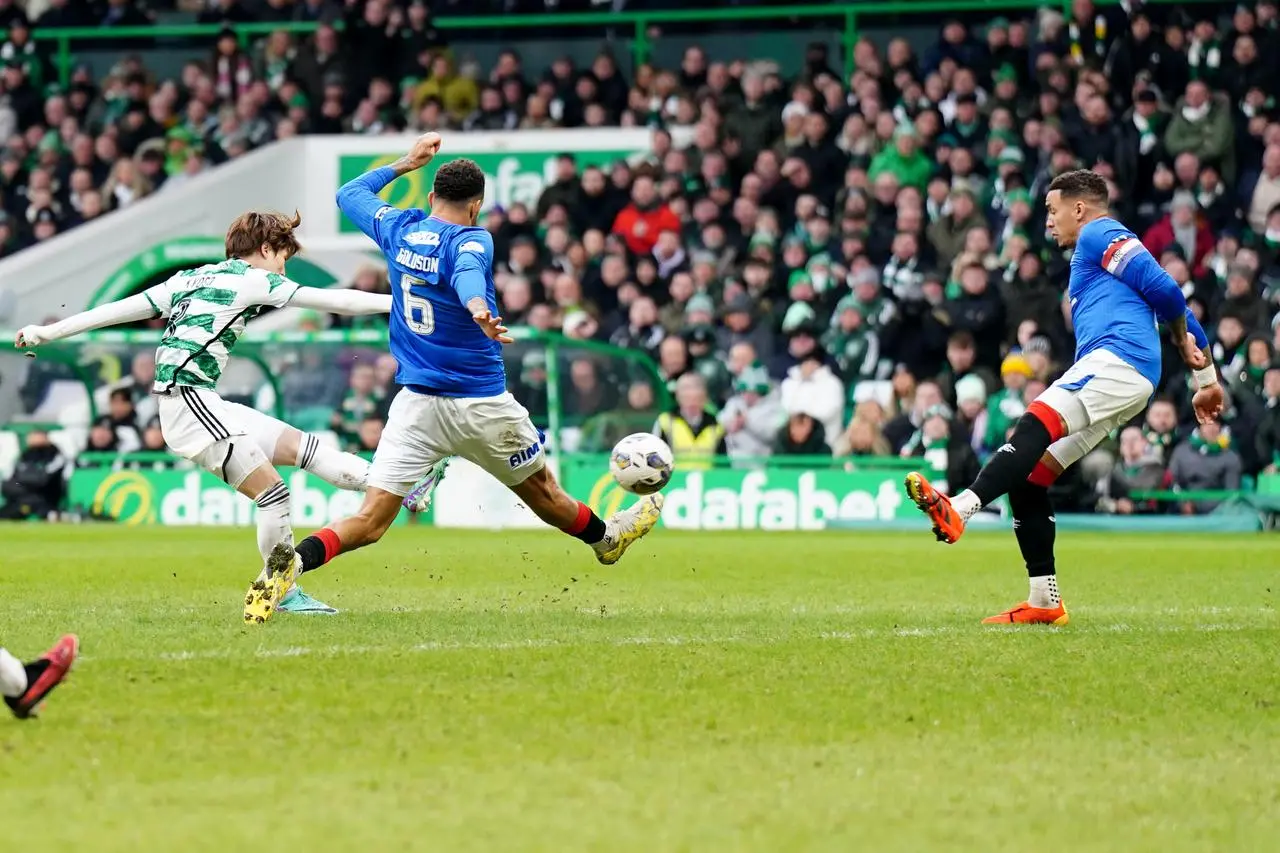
<point x="790" y="493"/>
<point x="804" y="493"/>
<point x="844" y="16"/>
<point x="141" y="490"/>
<point x="265" y="349"/>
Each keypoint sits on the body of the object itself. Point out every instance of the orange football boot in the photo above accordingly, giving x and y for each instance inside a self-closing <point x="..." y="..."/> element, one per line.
<point x="948" y="526"/>
<point x="1025" y="614"/>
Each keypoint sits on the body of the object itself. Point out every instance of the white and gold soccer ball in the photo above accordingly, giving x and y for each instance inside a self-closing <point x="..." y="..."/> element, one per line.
<point x="641" y="463"/>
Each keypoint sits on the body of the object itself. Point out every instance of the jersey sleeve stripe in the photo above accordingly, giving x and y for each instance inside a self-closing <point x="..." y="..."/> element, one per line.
<point x="153" y="303"/>
<point x="1119" y="253"/>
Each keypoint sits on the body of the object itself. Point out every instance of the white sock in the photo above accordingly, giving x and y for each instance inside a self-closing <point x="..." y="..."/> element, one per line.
<point x="274" y="525"/>
<point x="966" y="503"/>
<point x="1044" y="592"/>
<point x="343" y="470"/>
<point x="13" y="675"/>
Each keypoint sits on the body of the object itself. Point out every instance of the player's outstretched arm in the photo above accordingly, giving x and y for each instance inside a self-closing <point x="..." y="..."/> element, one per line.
<point x="358" y="198"/>
<point x="341" y="301"/>
<point x="128" y="310"/>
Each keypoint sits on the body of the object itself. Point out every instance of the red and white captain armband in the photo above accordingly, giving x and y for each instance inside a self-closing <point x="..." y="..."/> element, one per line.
<point x="1206" y="376"/>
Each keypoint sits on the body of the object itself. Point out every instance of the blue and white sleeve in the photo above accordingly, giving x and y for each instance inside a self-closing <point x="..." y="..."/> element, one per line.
<point x="471" y="266"/>
<point x="358" y="199"/>
<point x="1128" y="260"/>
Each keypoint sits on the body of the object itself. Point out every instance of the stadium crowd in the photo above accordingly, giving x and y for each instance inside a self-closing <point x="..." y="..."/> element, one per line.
<point x="836" y="264"/>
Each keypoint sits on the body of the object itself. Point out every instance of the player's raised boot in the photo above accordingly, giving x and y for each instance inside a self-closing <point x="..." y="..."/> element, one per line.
<point x="624" y="528"/>
<point x="44" y="674"/>
<point x="1025" y="614"/>
<point x="948" y="525"/>
<point x="265" y="593"/>
<point x="419" y="499"/>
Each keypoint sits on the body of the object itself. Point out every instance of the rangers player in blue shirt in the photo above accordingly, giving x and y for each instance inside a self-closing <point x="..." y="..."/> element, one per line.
<point x="447" y="337"/>
<point x="1118" y="295"/>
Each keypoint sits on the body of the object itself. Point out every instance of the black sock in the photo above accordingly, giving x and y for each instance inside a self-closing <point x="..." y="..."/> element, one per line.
<point x="34" y="670"/>
<point x="593" y="532"/>
<point x="311" y="550"/>
<point x="587" y="526"/>
<point x="1034" y="525"/>
<point x="1012" y="463"/>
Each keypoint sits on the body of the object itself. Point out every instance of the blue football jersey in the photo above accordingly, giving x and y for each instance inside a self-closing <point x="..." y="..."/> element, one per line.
<point x="435" y="268"/>
<point x="1119" y="294"/>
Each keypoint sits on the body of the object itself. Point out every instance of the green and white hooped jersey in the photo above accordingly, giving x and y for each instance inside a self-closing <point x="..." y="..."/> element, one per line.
<point x="208" y="308"/>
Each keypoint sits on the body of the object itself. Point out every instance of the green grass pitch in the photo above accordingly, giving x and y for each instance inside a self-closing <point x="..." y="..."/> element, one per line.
<point x="770" y="692"/>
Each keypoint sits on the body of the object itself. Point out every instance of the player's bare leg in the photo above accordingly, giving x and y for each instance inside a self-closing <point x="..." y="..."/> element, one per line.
<point x="25" y="686"/>
<point x="366" y="527"/>
<point x="609" y="539"/>
<point x="540" y="491"/>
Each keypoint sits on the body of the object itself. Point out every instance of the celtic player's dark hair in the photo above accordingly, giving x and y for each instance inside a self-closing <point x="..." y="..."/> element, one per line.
<point x="1081" y="184"/>
<point x="459" y="182"/>
<point x="255" y="229"/>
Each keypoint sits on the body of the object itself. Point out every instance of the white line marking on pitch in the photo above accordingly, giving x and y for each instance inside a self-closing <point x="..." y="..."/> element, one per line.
<point x="338" y="650"/>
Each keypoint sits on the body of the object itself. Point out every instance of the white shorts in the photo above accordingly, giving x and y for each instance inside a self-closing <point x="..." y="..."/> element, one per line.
<point x="493" y="432"/>
<point x="192" y="419"/>
<point x="1099" y="393"/>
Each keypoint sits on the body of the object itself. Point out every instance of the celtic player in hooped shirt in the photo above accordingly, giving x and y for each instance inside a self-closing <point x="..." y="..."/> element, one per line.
<point x="208" y="309"/>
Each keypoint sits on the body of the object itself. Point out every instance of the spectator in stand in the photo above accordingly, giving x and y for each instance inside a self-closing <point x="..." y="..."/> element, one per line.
<point x="971" y="413"/>
<point x="362" y="399"/>
<point x="903" y="160"/>
<point x="812" y="388"/>
<point x="124" y="420"/>
<point x="642" y="331"/>
<point x="1202" y="126"/>
<point x="946" y="450"/>
<point x="691" y="430"/>
<point x="752" y="416"/>
<point x="138" y="384"/>
<point x="102" y="440"/>
<point x="586" y="394"/>
<point x="153" y="438"/>
<point x="899" y="430"/>
<point x="1268" y="438"/>
<point x="801" y="435"/>
<point x="862" y="437"/>
<point x="37" y="485"/>
<point x="1009" y="403"/>
<point x="1182" y="227"/>
<point x="647" y="216"/>
<point x="1266" y="192"/>
<point x="1205" y="462"/>
<point x="756" y="122"/>
<point x="1137" y="470"/>
<point x="368" y="434"/>
<point x="1161" y="428"/>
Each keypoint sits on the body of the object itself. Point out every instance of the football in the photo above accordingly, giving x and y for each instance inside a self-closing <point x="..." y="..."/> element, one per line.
<point x="641" y="463"/>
